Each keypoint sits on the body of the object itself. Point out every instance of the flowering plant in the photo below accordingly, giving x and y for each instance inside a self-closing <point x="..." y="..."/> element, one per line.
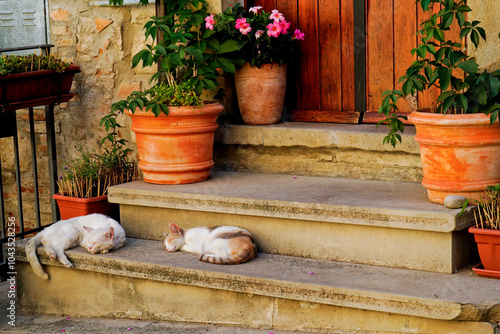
<point x="262" y="37"/>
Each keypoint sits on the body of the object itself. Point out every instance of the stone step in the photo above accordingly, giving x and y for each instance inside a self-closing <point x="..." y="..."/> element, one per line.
<point x="143" y="281"/>
<point x="372" y="222"/>
<point x="321" y="149"/>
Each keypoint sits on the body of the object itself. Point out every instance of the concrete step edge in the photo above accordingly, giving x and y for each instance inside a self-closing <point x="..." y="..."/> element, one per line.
<point x="394" y="205"/>
<point x="278" y="276"/>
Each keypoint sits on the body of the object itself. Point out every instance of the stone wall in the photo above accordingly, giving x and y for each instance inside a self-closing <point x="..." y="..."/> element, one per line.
<point x="488" y="12"/>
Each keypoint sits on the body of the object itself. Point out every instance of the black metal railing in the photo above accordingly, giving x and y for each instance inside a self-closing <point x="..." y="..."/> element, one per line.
<point x="8" y="129"/>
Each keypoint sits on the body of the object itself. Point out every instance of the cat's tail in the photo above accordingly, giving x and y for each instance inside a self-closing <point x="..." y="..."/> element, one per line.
<point x="33" y="259"/>
<point x="245" y="253"/>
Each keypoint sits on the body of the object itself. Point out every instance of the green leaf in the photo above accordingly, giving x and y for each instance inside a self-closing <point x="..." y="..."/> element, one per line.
<point x="474" y="37"/>
<point x="425" y="4"/>
<point x="444" y="75"/>
<point x="195" y="52"/>
<point x="227" y="65"/>
<point x="447" y="103"/>
<point x="469" y="66"/>
<point x="460" y="18"/>
<point x="229" y="46"/>
<point x="462" y="102"/>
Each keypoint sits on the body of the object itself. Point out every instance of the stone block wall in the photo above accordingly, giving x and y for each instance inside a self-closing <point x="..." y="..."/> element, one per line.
<point x="101" y="40"/>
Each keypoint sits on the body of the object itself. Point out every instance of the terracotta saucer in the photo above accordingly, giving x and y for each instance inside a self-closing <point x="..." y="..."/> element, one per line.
<point x="486" y="273"/>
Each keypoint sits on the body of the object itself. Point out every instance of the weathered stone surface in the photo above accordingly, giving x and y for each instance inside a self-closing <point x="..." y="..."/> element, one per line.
<point x="147" y="283"/>
<point x="335" y="150"/>
<point x="374" y="222"/>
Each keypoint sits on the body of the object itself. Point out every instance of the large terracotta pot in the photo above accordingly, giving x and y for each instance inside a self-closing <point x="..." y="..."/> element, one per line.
<point x="261" y="92"/>
<point x="177" y="148"/>
<point x="22" y="90"/>
<point x="460" y="153"/>
<point x="488" y="246"/>
<point x="70" y="207"/>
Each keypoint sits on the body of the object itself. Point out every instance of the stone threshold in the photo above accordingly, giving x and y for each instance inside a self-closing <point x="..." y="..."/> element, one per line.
<point x="324" y="199"/>
<point x="462" y="296"/>
<point x="366" y="137"/>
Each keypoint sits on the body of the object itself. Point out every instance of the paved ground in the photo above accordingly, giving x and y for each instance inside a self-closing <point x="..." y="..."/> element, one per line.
<point x="45" y="324"/>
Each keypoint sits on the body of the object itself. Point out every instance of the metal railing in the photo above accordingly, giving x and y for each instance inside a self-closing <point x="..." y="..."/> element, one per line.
<point x="8" y="128"/>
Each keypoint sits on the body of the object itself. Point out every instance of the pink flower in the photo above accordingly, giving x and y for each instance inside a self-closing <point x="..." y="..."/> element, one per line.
<point x="259" y="33"/>
<point x="255" y="9"/>
<point x="297" y="34"/>
<point x="243" y="26"/>
<point x="284" y="27"/>
<point x="276" y="16"/>
<point x="273" y="29"/>
<point x="210" y="22"/>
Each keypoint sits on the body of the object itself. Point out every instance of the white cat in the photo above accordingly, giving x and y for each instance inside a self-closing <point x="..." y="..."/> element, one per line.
<point x="96" y="233"/>
<point x="219" y="244"/>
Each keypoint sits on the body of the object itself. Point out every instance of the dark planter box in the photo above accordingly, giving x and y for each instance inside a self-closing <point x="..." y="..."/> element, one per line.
<point x="23" y="90"/>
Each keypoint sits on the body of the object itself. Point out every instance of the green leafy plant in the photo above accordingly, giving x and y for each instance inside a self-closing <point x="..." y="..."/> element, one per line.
<point x="444" y="64"/>
<point x="186" y="60"/>
<point x="159" y="98"/>
<point x="261" y="37"/>
<point x="92" y="172"/>
<point x="11" y="64"/>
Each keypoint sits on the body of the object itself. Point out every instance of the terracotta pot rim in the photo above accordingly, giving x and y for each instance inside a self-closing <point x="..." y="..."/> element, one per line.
<point x="425" y="118"/>
<point x="209" y="108"/>
<point x="483" y="231"/>
<point x="80" y="200"/>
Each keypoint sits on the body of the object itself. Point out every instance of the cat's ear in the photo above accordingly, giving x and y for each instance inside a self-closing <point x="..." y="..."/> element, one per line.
<point x="89" y="229"/>
<point x="110" y="233"/>
<point x="174" y="228"/>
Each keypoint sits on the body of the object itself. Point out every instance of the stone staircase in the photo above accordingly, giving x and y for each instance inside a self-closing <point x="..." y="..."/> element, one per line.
<point x="358" y="252"/>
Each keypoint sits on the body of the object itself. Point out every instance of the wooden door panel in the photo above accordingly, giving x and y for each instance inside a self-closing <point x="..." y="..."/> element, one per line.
<point x="380" y="51"/>
<point x="347" y="54"/>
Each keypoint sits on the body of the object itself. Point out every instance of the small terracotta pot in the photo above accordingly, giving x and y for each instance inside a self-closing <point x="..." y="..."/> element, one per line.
<point x="261" y="92"/>
<point x="488" y="245"/>
<point x="70" y="207"/>
<point x="460" y="154"/>
<point x="177" y="148"/>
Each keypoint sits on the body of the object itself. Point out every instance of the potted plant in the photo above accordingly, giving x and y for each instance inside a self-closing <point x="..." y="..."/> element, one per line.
<point x="265" y="45"/>
<point x="87" y="177"/>
<point x="487" y="232"/>
<point x="174" y="127"/>
<point x="32" y="80"/>
<point x="459" y="140"/>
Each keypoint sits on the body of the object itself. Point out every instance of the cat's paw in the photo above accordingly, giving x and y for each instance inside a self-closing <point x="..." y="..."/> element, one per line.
<point x="68" y="265"/>
<point x="104" y="251"/>
<point x="52" y="255"/>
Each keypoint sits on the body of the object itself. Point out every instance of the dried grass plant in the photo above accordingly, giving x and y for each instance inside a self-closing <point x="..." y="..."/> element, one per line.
<point x="488" y="209"/>
<point x="93" y="172"/>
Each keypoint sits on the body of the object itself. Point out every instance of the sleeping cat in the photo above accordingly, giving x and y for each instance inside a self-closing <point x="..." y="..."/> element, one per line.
<point x="96" y="233"/>
<point x="219" y="244"/>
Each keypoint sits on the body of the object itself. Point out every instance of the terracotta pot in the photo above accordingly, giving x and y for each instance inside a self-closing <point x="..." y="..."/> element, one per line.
<point x="460" y="154"/>
<point x="488" y="245"/>
<point x="177" y="148"/>
<point x="20" y="88"/>
<point x="261" y="92"/>
<point x="70" y="207"/>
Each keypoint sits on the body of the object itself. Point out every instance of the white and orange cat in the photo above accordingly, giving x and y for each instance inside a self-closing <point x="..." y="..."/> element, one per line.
<point x="219" y="244"/>
<point x="96" y="233"/>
